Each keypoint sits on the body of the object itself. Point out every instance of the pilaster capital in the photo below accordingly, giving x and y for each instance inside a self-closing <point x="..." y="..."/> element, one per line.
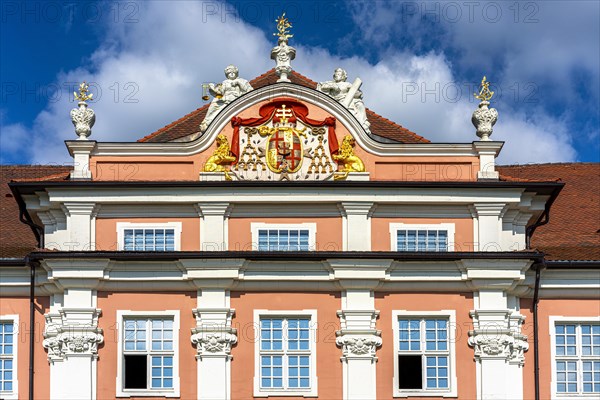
<point x="357" y="208"/>
<point x="72" y="332"/>
<point x="213" y="208"/>
<point x="488" y="209"/>
<point x="78" y="208"/>
<point x="213" y="335"/>
<point x="359" y="345"/>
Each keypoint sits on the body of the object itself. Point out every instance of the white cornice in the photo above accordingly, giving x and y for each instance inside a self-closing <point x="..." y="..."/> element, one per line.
<point x="300" y="93"/>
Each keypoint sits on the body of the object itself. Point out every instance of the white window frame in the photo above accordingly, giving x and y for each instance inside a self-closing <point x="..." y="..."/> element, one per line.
<point x="310" y="226"/>
<point x="452" y="391"/>
<point x="121" y="226"/>
<point x="14" y="320"/>
<point x="121" y="392"/>
<point x="552" y="326"/>
<point x="396" y="226"/>
<point x="266" y="392"/>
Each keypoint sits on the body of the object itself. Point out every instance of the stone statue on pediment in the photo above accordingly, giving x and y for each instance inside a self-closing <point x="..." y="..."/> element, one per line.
<point x="224" y="93"/>
<point x="348" y="94"/>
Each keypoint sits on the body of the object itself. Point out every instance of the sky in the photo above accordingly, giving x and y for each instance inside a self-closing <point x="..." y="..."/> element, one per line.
<point x="420" y="63"/>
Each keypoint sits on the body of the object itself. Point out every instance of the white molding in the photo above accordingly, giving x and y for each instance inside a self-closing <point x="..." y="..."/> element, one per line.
<point x="310" y="226"/>
<point x="313" y="391"/>
<point x="14" y="394"/>
<point x="120" y="392"/>
<point x="121" y="226"/>
<point x="552" y="320"/>
<point x="452" y="378"/>
<point x="300" y="93"/>
<point x="395" y="226"/>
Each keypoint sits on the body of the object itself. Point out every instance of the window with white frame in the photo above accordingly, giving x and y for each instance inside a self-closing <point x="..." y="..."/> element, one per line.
<point x="424" y="360"/>
<point x="8" y="356"/>
<point x="149" y="237"/>
<point x="286" y="353"/>
<point x="430" y="237"/>
<point x="576" y="353"/>
<point x="283" y="237"/>
<point x="148" y="354"/>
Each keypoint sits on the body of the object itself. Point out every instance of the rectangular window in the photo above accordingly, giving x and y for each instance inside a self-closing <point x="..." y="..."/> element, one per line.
<point x="286" y="354"/>
<point x="576" y="358"/>
<point x="149" y="237"/>
<point x="424" y="363"/>
<point x="148" y="348"/>
<point x="283" y="237"/>
<point x="8" y="357"/>
<point x="434" y="237"/>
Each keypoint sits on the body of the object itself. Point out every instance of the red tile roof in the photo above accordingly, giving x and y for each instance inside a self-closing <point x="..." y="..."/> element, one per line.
<point x="188" y="124"/>
<point x="16" y="238"/>
<point x="573" y="232"/>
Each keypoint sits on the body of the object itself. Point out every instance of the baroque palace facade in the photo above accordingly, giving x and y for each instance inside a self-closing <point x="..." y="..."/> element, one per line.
<point x="286" y="242"/>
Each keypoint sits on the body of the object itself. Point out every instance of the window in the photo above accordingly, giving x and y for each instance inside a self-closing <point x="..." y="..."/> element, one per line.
<point x="424" y="363"/>
<point x="433" y="237"/>
<point x="576" y="352"/>
<point x="148" y="354"/>
<point x="8" y="356"/>
<point x="283" y="237"/>
<point x="149" y="237"/>
<point x="286" y="353"/>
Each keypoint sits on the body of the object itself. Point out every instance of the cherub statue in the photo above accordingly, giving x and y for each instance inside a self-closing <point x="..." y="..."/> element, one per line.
<point x="339" y="89"/>
<point x="224" y="93"/>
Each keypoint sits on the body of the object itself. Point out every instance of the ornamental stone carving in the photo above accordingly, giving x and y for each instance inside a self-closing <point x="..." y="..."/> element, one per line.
<point x="214" y="342"/>
<point x="283" y="54"/>
<point x="359" y="345"/>
<point x="63" y="336"/>
<point x="224" y="93"/>
<point x="83" y="118"/>
<point x="348" y="94"/>
<point x="484" y="118"/>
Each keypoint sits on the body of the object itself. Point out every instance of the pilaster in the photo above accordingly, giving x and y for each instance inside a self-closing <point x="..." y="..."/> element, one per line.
<point x="488" y="221"/>
<point x="487" y="151"/>
<point x="81" y="150"/>
<point x="496" y="337"/>
<point x="356" y="235"/>
<point x="79" y="225"/>
<point x="214" y="217"/>
<point x="213" y="337"/>
<point x="359" y="339"/>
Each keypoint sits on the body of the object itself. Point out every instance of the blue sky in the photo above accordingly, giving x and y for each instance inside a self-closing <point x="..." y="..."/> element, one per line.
<point x="419" y="61"/>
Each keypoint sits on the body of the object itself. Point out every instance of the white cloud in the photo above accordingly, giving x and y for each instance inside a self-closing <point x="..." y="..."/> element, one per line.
<point x="171" y="51"/>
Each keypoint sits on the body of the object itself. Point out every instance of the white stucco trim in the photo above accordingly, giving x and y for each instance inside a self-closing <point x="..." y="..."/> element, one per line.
<point x="452" y="337"/>
<point x="14" y="319"/>
<point x="175" y="392"/>
<point x="121" y="226"/>
<point x="395" y="227"/>
<point x="310" y="226"/>
<point x="300" y="93"/>
<point x="313" y="390"/>
<point x="553" y="319"/>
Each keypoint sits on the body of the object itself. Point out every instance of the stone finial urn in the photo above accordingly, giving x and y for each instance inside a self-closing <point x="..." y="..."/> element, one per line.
<point x="484" y="117"/>
<point x="83" y="117"/>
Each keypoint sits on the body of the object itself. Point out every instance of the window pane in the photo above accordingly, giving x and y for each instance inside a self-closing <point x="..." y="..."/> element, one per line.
<point x="135" y="371"/>
<point x="410" y="372"/>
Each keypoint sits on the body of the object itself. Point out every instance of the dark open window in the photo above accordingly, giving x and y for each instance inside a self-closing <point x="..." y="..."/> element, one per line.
<point x="135" y="371"/>
<point x="410" y="371"/>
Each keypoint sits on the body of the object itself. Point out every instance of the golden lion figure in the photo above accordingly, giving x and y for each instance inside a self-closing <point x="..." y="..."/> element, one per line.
<point x="220" y="158"/>
<point x="347" y="160"/>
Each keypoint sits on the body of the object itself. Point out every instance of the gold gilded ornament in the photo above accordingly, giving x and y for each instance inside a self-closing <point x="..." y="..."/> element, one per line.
<point x="485" y="94"/>
<point x="347" y="160"/>
<point x="83" y="94"/>
<point x="220" y="158"/>
<point x="283" y="26"/>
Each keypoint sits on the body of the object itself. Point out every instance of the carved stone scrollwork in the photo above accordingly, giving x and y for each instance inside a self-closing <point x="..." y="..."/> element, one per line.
<point x="365" y="345"/>
<point x="490" y="346"/>
<point x="63" y="337"/>
<point x="214" y="342"/>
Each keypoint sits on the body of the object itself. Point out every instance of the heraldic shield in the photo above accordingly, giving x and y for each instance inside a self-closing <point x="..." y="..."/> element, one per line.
<point x="284" y="150"/>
